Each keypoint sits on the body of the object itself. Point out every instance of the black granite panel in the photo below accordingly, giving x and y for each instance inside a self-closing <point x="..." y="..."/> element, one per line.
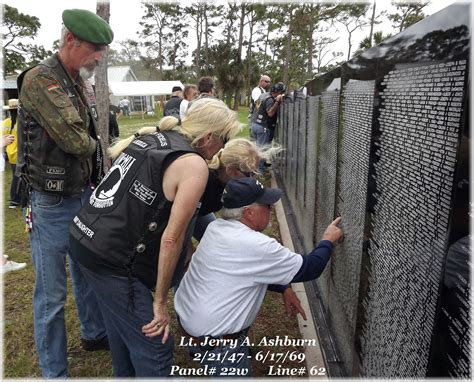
<point x="395" y="295"/>
<point x="414" y="175"/>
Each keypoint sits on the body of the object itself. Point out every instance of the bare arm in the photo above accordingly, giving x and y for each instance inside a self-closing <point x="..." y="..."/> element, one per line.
<point x="184" y="181"/>
<point x="273" y="109"/>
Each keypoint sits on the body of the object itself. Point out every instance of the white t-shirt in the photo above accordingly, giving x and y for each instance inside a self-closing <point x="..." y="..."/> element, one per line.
<point x="256" y="93"/>
<point x="183" y="108"/>
<point x="224" y="287"/>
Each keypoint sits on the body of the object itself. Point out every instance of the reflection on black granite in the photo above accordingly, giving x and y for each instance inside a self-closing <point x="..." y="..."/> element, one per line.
<point x="452" y="337"/>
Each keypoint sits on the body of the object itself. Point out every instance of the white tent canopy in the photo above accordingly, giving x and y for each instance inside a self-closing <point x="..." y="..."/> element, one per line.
<point x="143" y="88"/>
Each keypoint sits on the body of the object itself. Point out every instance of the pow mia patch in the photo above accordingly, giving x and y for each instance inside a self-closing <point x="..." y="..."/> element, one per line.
<point x="55" y="170"/>
<point x="104" y="195"/>
<point x="142" y="192"/>
<point x="54" y="185"/>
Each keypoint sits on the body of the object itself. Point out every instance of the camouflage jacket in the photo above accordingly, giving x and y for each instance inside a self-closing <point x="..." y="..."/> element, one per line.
<point x="58" y="148"/>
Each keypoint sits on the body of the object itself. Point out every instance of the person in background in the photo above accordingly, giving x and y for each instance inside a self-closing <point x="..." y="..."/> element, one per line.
<point x="190" y="92"/>
<point x="265" y="115"/>
<point x="239" y="158"/>
<point x="124" y="105"/>
<point x="173" y="104"/>
<point x="224" y="287"/>
<point x="114" y="115"/>
<point x="5" y="264"/>
<point x="206" y="88"/>
<point x="60" y="160"/>
<point x="129" y="237"/>
<point x="9" y="127"/>
<point x="257" y="91"/>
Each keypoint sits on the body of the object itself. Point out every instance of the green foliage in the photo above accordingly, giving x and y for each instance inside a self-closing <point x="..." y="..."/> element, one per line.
<point x="352" y="17"/>
<point x="17" y="29"/>
<point x="407" y="14"/>
<point x="289" y="42"/>
<point x="365" y="44"/>
<point x="163" y="35"/>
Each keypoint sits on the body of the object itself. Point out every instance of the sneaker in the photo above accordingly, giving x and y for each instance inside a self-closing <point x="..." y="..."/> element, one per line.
<point x="11" y="266"/>
<point x="13" y="205"/>
<point x="94" y="345"/>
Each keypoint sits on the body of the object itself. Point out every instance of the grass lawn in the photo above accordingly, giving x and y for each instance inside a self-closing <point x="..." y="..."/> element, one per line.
<point x="129" y="125"/>
<point x="20" y="360"/>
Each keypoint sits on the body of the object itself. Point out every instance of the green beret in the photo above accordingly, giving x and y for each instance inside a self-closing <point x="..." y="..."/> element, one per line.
<point x="87" y="26"/>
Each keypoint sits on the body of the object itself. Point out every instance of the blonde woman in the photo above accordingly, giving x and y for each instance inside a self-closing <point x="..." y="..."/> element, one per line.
<point x="240" y="157"/>
<point x="129" y="236"/>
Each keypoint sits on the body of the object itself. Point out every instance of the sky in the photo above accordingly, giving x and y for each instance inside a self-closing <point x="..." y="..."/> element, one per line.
<point x="125" y="16"/>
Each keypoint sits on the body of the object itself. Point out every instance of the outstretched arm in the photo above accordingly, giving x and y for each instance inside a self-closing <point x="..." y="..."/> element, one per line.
<point x="315" y="262"/>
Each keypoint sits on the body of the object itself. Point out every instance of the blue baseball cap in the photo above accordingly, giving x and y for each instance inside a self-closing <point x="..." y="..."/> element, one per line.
<point x="246" y="191"/>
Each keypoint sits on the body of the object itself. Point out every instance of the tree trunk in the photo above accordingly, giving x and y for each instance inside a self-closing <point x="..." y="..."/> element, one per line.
<point x="199" y="39"/>
<point x="372" y="21"/>
<point x="286" y="64"/>
<point x="350" y="46"/>
<point x="101" y="84"/>
<point x="249" y="57"/>
<point x="239" y="53"/>
<point x="206" y="37"/>
<point x="310" y="49"/>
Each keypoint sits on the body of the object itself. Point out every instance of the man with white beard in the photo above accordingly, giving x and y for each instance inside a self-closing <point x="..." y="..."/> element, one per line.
<point x="60" y="159"/>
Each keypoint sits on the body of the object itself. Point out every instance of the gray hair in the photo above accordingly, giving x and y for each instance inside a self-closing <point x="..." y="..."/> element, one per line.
<point x="62" y="40"/>
<point x="232" y="213"/>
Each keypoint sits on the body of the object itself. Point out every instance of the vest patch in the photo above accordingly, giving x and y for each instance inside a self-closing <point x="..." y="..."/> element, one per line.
<point x="104" y="194"/>
<point x="142" y="192"/>
<point x="140" y="143"/>
<point x="55" y="170"/>
<point x="162" y="139"/>
<point x="54" y="185"/>
<point x="53" y="87"/>
<point x="82" y="227"/>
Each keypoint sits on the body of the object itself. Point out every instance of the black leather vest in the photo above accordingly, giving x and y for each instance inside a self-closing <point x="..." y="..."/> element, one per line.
<point x="260" y="115"/>
<point x="43" y="165"/>
<point x="126" y="216"/>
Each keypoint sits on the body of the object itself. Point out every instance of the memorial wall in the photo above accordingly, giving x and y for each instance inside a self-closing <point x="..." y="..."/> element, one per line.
<point x="383" y="141"/>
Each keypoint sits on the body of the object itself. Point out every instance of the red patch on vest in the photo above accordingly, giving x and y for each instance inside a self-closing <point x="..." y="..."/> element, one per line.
<point x="53" y="86"/>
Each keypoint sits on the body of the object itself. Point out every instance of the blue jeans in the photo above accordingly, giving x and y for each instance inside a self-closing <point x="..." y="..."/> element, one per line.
<point x="240" y="365"/>
<point x="270" y="133"/>
<point x="49" y="240"/>
<point x="201" y="224"/>
<point x="133" y="354"/>
<point x="259" y="133"/>
<point x="14" y="196"/>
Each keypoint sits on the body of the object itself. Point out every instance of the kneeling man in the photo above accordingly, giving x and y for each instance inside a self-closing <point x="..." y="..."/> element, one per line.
<point x="224" y="287"/>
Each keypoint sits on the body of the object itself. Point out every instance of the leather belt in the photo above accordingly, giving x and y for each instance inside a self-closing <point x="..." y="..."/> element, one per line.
<point x="198" y="340"/>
